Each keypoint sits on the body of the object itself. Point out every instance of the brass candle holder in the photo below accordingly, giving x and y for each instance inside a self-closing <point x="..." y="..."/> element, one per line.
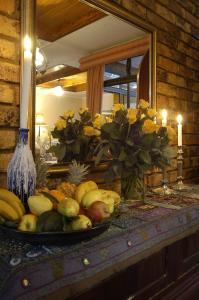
<point x="180" y="186"/>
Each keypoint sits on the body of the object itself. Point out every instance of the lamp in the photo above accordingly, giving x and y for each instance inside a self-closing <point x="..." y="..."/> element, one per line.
<point x="39" y="121"/>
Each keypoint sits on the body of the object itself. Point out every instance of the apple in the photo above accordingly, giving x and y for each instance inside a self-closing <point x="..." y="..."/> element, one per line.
<point x="28" y="223"/>
<point x="98" y="211"/>
<point x="98" y="195"/>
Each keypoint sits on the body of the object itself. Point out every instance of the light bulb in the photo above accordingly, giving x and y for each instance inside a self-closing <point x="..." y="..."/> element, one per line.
<point x="58" y="91"/>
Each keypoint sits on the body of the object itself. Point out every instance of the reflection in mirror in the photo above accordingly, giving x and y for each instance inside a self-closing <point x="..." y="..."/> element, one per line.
<point x="85" y="58"/>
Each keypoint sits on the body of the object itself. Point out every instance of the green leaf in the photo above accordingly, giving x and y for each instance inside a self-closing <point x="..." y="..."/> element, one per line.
<point x="145" y="157"/>
<point x="59" y="150"/>
<point x="103" y="151"/>
<point x="122" y="155"/>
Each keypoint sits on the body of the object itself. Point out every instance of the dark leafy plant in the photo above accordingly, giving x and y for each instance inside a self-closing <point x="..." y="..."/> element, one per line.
<point x="136" y="144"/>
<point x="77" y="138"/>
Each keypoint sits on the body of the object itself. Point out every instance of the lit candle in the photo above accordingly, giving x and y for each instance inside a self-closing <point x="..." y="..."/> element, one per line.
<point x="164" y="118"/>
<point x="26" y="82"/>
<point x="179" y="120"/>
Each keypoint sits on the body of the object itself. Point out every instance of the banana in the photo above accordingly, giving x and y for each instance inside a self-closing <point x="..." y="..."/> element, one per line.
<point x="7" y="212"/>
<point x="12" y="200"/>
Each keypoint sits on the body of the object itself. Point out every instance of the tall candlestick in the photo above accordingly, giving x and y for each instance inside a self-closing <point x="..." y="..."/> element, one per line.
<point x="164" y="118"/>
<point x="26" y="83"/>
<point x="179" y="120"/>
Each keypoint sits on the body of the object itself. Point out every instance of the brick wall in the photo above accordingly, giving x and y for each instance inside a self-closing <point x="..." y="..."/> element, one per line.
<point x="9" y="81"/>
<point x="177" y="69"/>
<point x="177" y="72"/>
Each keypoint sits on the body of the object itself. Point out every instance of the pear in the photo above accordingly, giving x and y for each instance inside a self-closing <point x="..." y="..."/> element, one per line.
<point x="68" y="207"/>
<point x="81" y="223"/>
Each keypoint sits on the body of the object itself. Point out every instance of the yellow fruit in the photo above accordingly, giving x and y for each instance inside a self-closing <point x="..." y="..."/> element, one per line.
<point x="8" y="212"/>
<point x="82" y="223"/>
<point x="28" y="223"/>
<point x="67" y="188"/>
<point x="68" y="207"/>
<point x="10" y="197"/>
<point x="83" y="188"/>
<point x="39" y="204"/>
<point x="98" y="195"/>
<point x="111" y="194"/>
<point x="57" y="194"/>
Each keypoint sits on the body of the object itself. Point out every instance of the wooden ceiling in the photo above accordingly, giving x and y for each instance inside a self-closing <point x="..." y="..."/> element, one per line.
<point x="57" y="18"/>
<point x="74" y="83"/>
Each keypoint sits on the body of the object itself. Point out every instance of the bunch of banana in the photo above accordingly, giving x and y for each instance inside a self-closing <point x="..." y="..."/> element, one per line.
<point x="11" y="208"/>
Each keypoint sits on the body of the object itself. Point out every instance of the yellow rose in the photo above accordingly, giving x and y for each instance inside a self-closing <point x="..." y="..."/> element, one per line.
<point x="132" y="115"/>
<point x="171" y="134"/>
<point x="60" y="124"/>
<point x="151" y="112"/>
<point x="68" y="114"/>
<point x="149" y="126"/>
<point x="143" y="104"/>
<point x="118" y="106"/>
<point x="99" y="121"/>
<point x="82" y="110"/>
<point x="89" y="131"/>
<point x="109" y="120"/>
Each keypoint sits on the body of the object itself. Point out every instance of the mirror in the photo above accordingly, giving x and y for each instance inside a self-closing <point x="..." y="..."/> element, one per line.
<point x="88" y="55"/>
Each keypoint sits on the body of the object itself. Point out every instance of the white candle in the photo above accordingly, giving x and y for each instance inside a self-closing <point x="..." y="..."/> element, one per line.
<point x="26" y="83"/>
<point x="179" y="120"/>
<point x="164" y="118"/>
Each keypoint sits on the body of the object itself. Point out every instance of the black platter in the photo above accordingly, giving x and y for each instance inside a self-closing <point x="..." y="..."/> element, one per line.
<point x="54" y="238"/>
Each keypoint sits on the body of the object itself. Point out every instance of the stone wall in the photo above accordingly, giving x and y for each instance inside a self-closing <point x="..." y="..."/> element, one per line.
<point x="176" y="22"/>
<point x="9" y="81"/>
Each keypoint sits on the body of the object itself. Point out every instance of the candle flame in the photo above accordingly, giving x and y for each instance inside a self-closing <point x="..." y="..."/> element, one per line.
<point x="27" y="43"/>
<point x="164" y="113"/>
<point x="179" y="119"/>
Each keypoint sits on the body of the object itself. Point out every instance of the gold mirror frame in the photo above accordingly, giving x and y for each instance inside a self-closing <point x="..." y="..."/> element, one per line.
<point x="119" y="12"/>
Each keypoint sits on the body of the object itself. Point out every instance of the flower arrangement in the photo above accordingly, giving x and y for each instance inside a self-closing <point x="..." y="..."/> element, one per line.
<point x="77" y="138"/>
<point x="136" y="144"/>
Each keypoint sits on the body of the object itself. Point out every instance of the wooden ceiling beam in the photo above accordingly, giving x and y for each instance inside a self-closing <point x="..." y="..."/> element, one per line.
<point x="63" y="72"/>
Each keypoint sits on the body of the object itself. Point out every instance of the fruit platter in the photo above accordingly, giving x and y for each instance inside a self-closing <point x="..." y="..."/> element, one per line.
<point x="65" y="214"/>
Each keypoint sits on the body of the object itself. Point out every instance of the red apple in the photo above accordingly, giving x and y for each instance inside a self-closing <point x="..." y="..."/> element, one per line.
<point x="82" y="211"/>
<point x="98" y="211"/>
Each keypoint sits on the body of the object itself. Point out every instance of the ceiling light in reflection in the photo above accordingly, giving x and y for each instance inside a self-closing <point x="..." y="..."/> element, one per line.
<point x="58" y="91"/>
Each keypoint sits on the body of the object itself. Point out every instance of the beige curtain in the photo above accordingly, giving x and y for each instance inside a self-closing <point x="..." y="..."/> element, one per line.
<point x="95" y="80"/>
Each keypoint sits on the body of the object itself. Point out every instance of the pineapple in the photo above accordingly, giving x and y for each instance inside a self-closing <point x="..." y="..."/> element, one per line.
<point x="77" y="173"/>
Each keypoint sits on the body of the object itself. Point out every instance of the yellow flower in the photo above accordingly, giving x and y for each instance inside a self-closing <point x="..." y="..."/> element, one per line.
<point x="99" y="121"/>
<point x="132" y="115"/>
<point x="89" y="131"/>
<point x="82" y="110"/>
<point x="118" y="106"/>
<point x="143" y="104"/>
<point x="149" y="126"/>
<point x="171" y="134"/>
<point x="68" y="114"/>
<point x="151" y="112"/>
<point x="109" y="120"/>
<point x="60" y="124"/>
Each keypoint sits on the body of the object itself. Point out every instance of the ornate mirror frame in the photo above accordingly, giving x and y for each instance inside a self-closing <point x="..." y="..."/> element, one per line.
<point x="111" y="8"/>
